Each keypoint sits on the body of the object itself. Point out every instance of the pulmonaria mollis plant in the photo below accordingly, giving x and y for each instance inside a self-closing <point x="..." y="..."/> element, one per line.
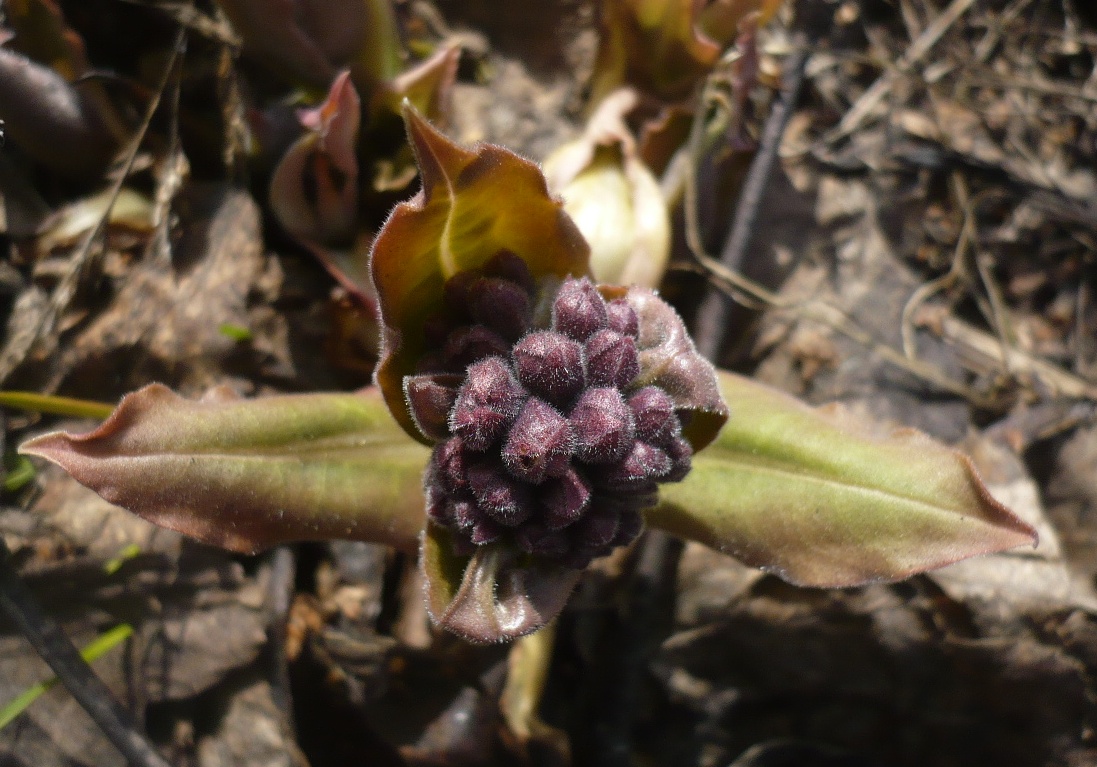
<point x="553" y="439"/>
<point x="551" y="418"/>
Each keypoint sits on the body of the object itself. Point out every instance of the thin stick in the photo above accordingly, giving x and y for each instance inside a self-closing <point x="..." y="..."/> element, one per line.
<point x="50" y="641"/>
<point x="713" y="313"/>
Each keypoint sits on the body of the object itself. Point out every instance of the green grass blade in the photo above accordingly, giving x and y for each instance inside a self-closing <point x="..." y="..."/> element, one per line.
<point x="95" y="649"/>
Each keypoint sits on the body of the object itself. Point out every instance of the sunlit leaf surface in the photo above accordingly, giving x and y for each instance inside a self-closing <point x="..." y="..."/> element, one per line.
<point x="247" y="474"/>
<point x="820" y="501"/>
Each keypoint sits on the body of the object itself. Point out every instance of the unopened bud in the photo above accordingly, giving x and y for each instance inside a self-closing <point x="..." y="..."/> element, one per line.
<point x="622" y="317"/>
<point x="579" y="309"/>
<point x="550" y="365"/>
<point x="643" y="465"/>
<point x="449" y="463"/>
<point x="681" y="456"/>
<point x="504" y="499"/>
<point x="430" y="399"/>
<point x="538" y="539"/>
<point x="654" y="412"/>
<point x="510" y="266"/>
<point x="602" y="425"/>
<point x="539" y="444"/>
<point x="501" y="305"/>
<point x="565" y="500"/>
<point x="611" y="359"/>
<point x="486" y="404"/>
<point x="472" y="343"/>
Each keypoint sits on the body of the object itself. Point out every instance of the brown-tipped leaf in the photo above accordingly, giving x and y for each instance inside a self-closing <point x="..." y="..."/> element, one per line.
<point x="248" y="474"/>
<point x="822" y="501"/>
<point x="473" y="204"/>
<point x="490" y="597"/>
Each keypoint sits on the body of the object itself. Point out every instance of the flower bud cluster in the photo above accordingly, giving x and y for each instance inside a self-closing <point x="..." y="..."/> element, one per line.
<point x="551" y="446"/>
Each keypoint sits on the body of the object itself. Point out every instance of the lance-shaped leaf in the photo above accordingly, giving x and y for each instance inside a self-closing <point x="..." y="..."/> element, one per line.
<point x="493" y="596"/>
<point x="821" y="501"/>
<point x="248" y="474"/>
<point x="473" y="205"/>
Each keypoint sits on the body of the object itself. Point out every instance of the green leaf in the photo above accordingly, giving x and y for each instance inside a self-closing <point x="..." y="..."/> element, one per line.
<point x="248" y="474"/>
<point x="821" y="501"/>
<point x="473" y="204"/>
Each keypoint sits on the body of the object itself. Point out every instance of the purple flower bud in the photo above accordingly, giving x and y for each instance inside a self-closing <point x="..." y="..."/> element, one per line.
<point x="598" y="528"/>
<point x="430" y="399"/>
<point x="644" y="464"/>
<point x="501" y="305"/>
<point x="510" y="266"/>
<point x="486" y="404"/>
<point x="449" y="464"/>
<point x="564" y="500"/>
<point x="436" y="329"/>
<point x="471" y="343"/>
<point x="464" y="513"/>
<point x="537" y="539"/>
<point x="611" y="359"/>
<point x="622" y="318"/>
<point x="539" y="444"/>
<point x="500" y="496"/>
<point x="603" y="426"/>
<point x="455" y="293"/>
<point x="550" y="365"/>
<point x="579" y="309"/>
<point x="438" y="504"/>
<point x="681" y="457"/>
<point x="654" y="412"/>
<point x="486" y="531"/>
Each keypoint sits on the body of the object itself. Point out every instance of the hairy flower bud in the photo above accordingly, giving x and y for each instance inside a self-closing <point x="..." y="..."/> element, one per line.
<point x="653" y="410"/>
<point x="564" y="500"/>
<point x="510" y="266"/>
<point x="622" y="317"/>
<point x="471" y="343"/>
<point x="500" y="496"/>
<point x="644" y="464"/>
<point x="430" y="399"/>
<point x="540" y="443"/>
<point x="549" y="446"/>
<point x="603" y="426"/>
<point x="486" y="404"/>
<point x="579" y="310"/>
<point x="611" y="359"/>
<point x="551" y="366"/>
<point x="500" y="305"/>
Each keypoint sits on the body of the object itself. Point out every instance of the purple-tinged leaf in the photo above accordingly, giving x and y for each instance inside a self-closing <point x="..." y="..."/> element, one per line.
<point x="474" y="205"/>
<point x="248" y="474"/>
<point x="821" y="501"/>
<point x="490" y="597"/>
<point x="314" y="189"/>
<point x="669" y="360"/>
<point x="430" y="399"/>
